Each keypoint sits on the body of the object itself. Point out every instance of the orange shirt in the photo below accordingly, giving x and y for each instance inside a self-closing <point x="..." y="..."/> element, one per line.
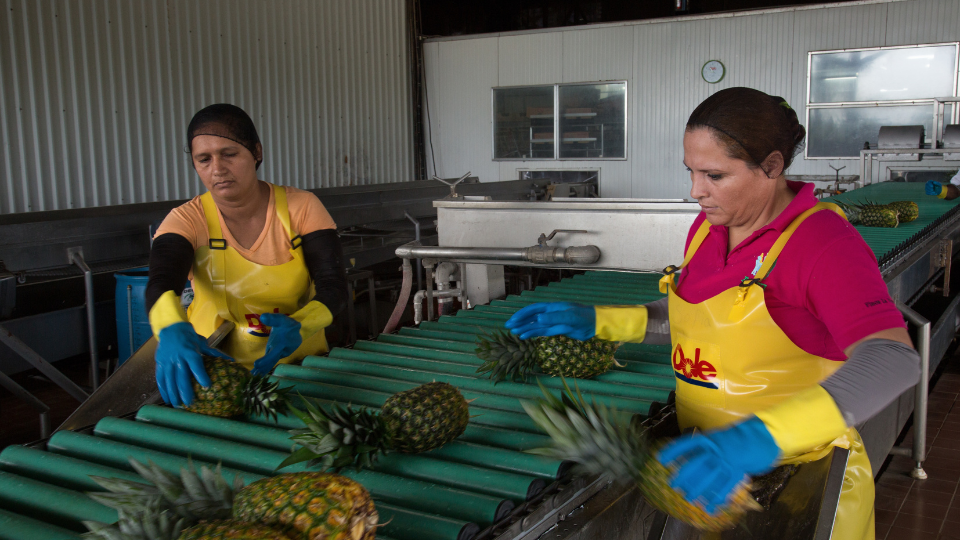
<point x="307" y="215"/>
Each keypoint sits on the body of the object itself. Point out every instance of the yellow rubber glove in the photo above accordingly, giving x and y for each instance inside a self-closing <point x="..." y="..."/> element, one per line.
<point x="165" y="312"/>
<point x="622" y="323"/>
<point x="803" y="422"/>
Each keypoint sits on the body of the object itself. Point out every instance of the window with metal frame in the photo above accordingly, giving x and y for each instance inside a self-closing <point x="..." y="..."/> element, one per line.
<point x="591" y="124"/>
<point x="852" y="92"/>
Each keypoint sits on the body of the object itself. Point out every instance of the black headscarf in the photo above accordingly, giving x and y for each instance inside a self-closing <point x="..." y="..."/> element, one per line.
<point x="227" y="121"/>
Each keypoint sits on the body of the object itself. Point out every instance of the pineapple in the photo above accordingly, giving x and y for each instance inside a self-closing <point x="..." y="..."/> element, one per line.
<point x="234" y="391"/>
<point x="417" y="420"/>
<point x="506" y="356"/>
<point x="601" y="441"/>
<point x="311" y="506"/>
<point x="231" y="530"/>
<point x="870" y="215"/>
<point x="907" y="210"/>
<point x="308" y="506"/>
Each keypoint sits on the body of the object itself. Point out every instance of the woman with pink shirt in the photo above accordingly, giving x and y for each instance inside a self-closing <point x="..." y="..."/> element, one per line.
<point x="783" y="333"/>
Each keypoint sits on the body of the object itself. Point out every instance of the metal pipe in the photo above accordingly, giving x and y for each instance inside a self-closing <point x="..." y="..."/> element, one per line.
<point x="76" y="257"/>
<point x="920" y="391"/>
<point x="429" y="272"/>
<point x="416" y="238"/>
<point x="535" y="254"/>
<point x="420" y="295"/>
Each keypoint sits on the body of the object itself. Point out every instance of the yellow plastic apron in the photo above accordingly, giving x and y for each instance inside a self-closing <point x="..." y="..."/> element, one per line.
<point x="731" y="360"/>
<point x="227" y="287"/>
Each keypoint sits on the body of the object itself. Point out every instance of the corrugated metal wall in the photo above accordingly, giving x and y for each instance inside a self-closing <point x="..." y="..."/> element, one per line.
<point x="661" y="61"/>
<point x="95" y="95"/>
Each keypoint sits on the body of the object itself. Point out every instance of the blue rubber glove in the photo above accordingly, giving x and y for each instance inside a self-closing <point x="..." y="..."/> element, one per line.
<point x="178" y="355"/>
<point x="933" y="188"/>
<point x="713" y="463"/>
<point x="283" y="341"/>
<point x="554" y="319"/>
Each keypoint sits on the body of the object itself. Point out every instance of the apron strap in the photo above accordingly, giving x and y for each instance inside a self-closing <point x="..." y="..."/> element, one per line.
<point x="784" y="237"/>
<point x="695" y="243"/>
<point x="283" y="214"/>
<point x="217" y="245"/>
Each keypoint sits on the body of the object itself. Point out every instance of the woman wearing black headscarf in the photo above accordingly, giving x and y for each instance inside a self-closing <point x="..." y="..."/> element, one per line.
<point x="266" y="257"/>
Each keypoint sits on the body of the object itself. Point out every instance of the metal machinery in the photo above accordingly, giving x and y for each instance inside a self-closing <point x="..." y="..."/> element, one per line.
<point x="484" y="485"/>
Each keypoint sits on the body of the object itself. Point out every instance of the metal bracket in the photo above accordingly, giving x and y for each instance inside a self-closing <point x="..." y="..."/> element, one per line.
<point x="946" y="262"/>
<point x="543" y="238"/>
<point x="453" y="185"/>
<point x="75" y="256"/>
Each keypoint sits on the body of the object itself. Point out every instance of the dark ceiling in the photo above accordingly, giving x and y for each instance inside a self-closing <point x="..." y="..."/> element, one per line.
<point x="453" y="17"/>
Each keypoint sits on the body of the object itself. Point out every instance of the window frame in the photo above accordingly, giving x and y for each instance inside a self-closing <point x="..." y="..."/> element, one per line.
<point x="556" y="121"/>
<point x="875" y="103"/>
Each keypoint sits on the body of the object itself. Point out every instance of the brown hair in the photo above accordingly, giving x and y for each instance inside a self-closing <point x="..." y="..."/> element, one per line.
<point x="751" y="124"/>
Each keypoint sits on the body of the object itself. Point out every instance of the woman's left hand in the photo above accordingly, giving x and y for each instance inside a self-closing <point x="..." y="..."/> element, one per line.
<point x="283" y="341"/>
<point x="712" y="464"/>
<point x="288" y="332"/>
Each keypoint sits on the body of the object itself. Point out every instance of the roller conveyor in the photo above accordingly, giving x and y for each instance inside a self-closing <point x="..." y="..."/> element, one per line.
<point x="455" y="492"/>
<point x="450" y="493"/>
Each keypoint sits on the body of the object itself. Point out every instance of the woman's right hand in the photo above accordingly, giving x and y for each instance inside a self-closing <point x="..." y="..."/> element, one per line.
<point x="554" y="319"/>
<point x="932" y="187"/>
<point x="179" y="353"/>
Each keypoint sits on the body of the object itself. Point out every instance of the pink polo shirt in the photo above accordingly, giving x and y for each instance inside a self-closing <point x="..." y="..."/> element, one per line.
<point x="825" y="291"/>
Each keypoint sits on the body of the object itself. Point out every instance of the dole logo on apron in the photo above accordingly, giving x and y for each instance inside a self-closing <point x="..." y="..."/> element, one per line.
<point x="696" y="371"/>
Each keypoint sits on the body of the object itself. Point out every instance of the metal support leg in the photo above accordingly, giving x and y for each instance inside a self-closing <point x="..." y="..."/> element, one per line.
<point x="919" y="450"/>
<point x="76" y="257"/>
<point x="31" y="400"/>
<point x="351" y="316"/>
<point x="44" y="367"/>
<point x="372" y="293"/>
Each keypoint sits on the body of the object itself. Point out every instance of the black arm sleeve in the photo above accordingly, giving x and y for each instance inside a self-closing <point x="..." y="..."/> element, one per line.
<point x="171" y="258"/>
<point x="323" y="255"/>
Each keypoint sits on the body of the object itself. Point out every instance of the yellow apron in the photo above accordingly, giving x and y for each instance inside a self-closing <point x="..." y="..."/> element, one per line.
<point x="227" y="287"/>
<point x="731" y="360"/>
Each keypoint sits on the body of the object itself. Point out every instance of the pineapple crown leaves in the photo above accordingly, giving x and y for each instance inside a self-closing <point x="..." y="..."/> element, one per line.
<point x="150" y="523"/>
<point x="261" y="397"/>
<point x="600" y="440"/>
<point x="506" y="356"/>
<point x="191" y="495"/>
<point x="339" y="438"/>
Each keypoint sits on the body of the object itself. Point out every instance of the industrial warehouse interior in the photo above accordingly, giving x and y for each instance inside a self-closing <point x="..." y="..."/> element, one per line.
<point x="490" y="270"/>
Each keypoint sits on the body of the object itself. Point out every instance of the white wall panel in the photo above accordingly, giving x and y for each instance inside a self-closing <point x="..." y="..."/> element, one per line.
<point x="95" y="95"/>
<point x="661" y="59"/>
<point x="468" y="71"/>
<point x="530" y="59"/>
<point x="933" y="21"/>
<point x="598" y="55"/>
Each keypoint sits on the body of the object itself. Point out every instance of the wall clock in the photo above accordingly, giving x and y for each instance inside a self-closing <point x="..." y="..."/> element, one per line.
<point x="713" y="71"/>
